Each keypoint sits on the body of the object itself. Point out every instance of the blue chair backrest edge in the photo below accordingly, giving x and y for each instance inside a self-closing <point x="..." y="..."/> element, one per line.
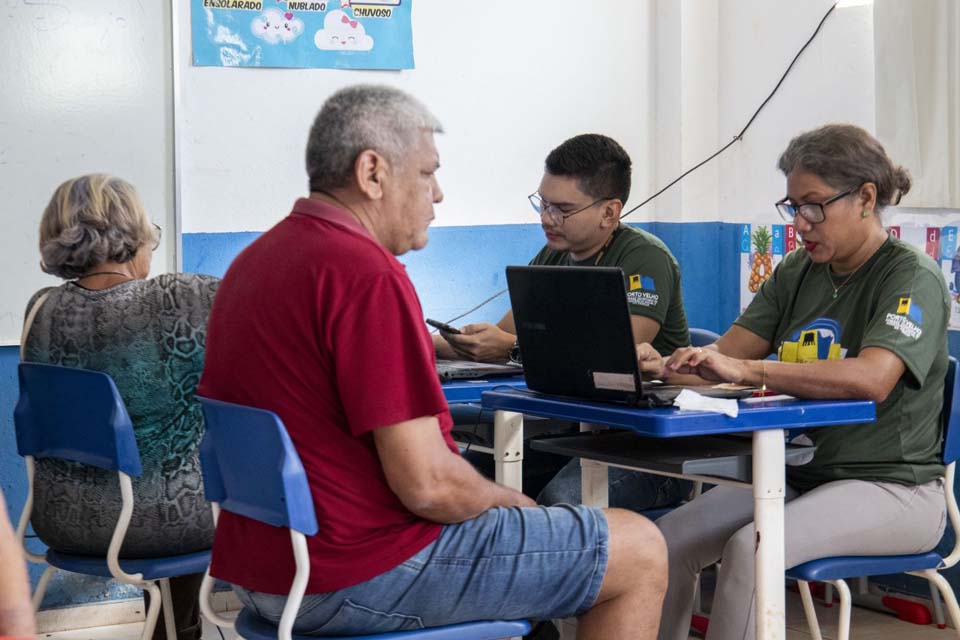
<point x="74" y="414"/>
<point x="251" y="468"/>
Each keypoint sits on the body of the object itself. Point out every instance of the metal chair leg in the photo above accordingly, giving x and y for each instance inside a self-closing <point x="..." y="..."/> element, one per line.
<point x="42" y="587"/>
<point x="168" y="618"/>
<point x="827" y="594"/>
<point x="937" y="605"/>
<point x="843" y="628"/>
<point x="935" y="577"/>
<point x="809" y="610"/>
<point x="153" y="611"/>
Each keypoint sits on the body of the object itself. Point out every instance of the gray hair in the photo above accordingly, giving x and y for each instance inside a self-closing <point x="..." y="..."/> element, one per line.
<point x="91" y="220"/>
<point x="846" y="157"/>
<point x="358" y="118"/>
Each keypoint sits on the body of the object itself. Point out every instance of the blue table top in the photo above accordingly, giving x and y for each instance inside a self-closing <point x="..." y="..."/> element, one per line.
<point x="668" y="422"/>
<point x="464" y="391"/>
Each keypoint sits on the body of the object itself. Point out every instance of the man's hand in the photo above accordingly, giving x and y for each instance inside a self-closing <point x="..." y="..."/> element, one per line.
<point x="482" y="341"/>
<point x="650" y="361"/>
<point x="709" y="364"/>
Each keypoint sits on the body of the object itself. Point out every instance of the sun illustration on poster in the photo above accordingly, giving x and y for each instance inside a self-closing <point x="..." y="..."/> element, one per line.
<point x="342" y="33"/>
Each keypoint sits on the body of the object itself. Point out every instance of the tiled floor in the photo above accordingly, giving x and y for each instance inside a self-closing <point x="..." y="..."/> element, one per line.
<point x="867" y="625"/>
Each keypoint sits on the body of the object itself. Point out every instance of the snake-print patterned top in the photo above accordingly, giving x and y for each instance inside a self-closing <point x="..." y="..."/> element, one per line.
<point x="149" y="336"/>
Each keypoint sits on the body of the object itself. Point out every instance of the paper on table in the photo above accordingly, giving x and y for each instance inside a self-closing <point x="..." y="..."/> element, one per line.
<point x="688" y="400"/>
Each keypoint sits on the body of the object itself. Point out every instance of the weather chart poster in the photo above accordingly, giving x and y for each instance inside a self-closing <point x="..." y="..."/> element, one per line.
<point x="342" y="34"/>
<point x="762" y="247"/>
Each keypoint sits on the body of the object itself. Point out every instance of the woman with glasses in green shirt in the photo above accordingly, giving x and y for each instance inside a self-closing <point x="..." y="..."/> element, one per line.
<point x="852" y="313"/>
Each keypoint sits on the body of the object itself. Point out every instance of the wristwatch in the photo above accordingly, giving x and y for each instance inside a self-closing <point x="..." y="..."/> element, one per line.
<point x="515" y="353"/>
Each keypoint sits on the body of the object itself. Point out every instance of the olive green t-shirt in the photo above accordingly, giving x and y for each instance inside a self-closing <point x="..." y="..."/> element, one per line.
<point x="651" y="277"/>
<point x="898" y="301"/>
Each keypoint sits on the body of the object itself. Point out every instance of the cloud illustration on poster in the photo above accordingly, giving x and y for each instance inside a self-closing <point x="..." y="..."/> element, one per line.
<point x="276" y="26"/>
<point x="342" y="33"/>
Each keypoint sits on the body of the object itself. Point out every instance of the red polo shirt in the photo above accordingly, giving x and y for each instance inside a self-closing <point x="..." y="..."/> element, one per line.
<point x="318" y="323"/>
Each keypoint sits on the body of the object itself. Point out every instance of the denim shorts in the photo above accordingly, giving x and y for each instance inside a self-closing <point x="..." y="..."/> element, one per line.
<point x="506" y="564"/>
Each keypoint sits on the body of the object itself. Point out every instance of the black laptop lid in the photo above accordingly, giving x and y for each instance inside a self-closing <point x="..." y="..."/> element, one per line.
<point x="573" y="325"/>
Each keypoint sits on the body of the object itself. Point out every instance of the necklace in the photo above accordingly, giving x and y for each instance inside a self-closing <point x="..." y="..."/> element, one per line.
<point x="837" y="287"/>
<point x="106" y="273"/>
<point x="606" y="245"/>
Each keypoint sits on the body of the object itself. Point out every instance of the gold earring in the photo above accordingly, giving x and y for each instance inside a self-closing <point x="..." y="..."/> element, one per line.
<point x="864" y="213"/>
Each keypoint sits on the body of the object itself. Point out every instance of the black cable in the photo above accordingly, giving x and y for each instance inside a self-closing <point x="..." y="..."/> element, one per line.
<point x="683" y="175"/>
<point x="469" y="311"/>
<point x="220" y="631"/>
<point x="739" y="136"/>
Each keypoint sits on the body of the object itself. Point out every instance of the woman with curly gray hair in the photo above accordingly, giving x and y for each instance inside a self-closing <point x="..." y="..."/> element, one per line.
<point x="149" y="336"/>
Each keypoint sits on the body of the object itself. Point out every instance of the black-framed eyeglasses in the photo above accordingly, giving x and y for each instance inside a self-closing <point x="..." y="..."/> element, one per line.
<point x="158" y="232"/>
<point x="554" y="214"/>
<point x="812" y="212"/>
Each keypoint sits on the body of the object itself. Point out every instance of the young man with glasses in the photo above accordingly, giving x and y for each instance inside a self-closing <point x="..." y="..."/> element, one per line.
<point x="581" y="196"/>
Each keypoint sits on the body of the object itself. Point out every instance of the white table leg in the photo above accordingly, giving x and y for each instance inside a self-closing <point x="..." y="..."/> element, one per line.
<point x="594" y="478"/>
<point x="769" y="486"/>
<point x="508" y="449"/>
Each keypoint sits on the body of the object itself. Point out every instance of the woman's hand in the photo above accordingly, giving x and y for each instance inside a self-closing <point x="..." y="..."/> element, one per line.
<point x="709" y="364"/>
<point x="650" y="361"/>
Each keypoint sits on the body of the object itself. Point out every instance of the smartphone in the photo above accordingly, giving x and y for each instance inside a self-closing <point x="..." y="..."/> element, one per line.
<point x="443" y="326"/>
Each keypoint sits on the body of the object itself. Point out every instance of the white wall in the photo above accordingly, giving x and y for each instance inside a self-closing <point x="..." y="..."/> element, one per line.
<point x="86" y="87"/>
<point x="508" y="80"/>
<point x="716" y="62"/>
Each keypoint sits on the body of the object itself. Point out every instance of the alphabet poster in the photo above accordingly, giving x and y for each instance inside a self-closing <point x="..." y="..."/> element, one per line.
<point x="332" y="34"/>
<point x="932" y="231"/>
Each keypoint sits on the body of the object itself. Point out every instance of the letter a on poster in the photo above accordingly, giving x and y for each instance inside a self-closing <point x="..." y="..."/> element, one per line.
<point x="337" y="34"/>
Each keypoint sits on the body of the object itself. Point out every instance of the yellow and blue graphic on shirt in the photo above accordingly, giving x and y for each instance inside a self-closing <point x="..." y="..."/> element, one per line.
<point x="906" y="307"/>
<point x="908" y="318"/>
<point x="641" y="291"/>
<point x="638" y="281"/>
<point x="819" y="340"/>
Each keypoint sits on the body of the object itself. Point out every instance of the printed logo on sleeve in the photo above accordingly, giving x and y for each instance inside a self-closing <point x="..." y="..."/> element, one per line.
<point x="907" y="320"/>
<point x="642" y="291"/>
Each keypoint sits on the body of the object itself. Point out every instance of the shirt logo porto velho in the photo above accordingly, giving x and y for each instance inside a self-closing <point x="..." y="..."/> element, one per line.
<point x="907" y="320"/>
<point x="642" y="291"/>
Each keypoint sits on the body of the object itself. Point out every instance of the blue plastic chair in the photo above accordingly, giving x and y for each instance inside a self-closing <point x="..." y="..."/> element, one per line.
<point x="78" y="415"/>
<point x="251" y="468"/>
<point x="925" y="565"/>
<point x="702" y="337"/>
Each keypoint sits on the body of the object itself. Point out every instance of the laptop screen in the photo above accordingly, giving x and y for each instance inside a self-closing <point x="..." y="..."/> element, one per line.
<point x="573" y="325"/>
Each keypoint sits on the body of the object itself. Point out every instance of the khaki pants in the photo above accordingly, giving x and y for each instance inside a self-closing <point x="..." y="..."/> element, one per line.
<point x="848" y="517"/>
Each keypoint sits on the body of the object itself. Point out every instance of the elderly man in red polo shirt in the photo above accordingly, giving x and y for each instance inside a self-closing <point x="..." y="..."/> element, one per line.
<point x="318" y="322"/>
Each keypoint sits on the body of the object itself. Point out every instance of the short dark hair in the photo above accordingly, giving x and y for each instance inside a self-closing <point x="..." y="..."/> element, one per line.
<point x="599" y="163"/>
<point x="846" y="157"/>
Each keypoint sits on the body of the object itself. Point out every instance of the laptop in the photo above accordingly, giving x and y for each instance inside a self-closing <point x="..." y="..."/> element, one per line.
<point x="450" y="370"/>
<point x="573" y="325"/>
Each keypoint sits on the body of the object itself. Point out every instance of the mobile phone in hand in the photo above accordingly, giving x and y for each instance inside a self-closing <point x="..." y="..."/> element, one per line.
<point x="443" y="326"/>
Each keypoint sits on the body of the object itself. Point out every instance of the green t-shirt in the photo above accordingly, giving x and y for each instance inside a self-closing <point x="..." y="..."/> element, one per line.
<point x="898" y="301"/>
<point x="651" y="277"/>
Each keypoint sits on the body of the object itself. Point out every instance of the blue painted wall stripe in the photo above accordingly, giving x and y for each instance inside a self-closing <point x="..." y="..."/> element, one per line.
<point x="461" y="266"/>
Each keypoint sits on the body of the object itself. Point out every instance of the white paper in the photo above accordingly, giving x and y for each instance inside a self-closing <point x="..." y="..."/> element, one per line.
<point x="688" y="400"/>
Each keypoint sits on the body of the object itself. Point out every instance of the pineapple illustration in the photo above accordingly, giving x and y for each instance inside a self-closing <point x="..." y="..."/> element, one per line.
<point x="762" y="263"/>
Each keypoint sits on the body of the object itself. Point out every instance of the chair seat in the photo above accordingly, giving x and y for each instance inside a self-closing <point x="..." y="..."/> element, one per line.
<point x="841" y="567"/>
<point x="253" y="627"/>
<point x="151" y="568"/>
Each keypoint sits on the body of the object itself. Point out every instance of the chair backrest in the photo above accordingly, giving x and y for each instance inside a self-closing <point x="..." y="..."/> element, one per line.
<point x="74" y="414"/>
<point x="950" y="417"/>
<point x="702" y="337"/>
<point x="251" y="467"/>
